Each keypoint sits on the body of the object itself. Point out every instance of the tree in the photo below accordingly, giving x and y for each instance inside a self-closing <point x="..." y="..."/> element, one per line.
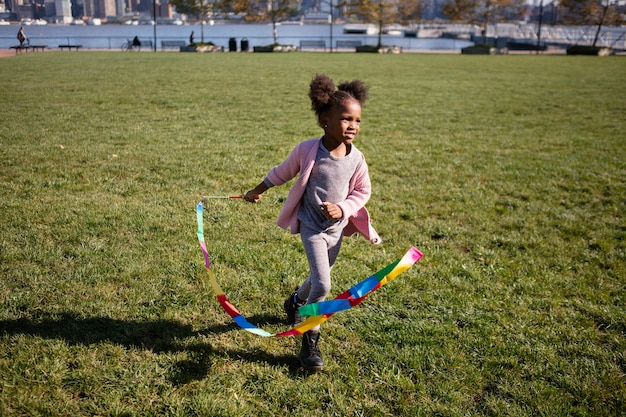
<point x="275" y="11"/>
<point x="483" y="11"/>
<point x="461" y="10"/>
<point x="410" y="11"/>
<point x="196" y="8"/>
<point x="383" y="12"/>
<point x="590" y="12"/>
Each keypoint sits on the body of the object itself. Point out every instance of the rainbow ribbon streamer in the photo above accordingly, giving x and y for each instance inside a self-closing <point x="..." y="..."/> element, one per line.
<point x="317" y="312"/>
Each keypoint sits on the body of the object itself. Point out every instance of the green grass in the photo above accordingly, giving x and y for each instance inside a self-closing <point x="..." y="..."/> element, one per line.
<point x="508" y="172"/>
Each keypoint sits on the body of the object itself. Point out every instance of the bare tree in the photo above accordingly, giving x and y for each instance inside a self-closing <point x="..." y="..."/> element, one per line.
<point x="483" y="11"/>
<point x="275" y="11"/>
<point x="200" y="9"/>
<point x="383" y="12"/>
<point x="410" y="11"/>
<point x="590" y="12"/>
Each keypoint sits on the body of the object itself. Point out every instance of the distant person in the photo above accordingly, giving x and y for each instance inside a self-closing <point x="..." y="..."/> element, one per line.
<point x="21" y="36"/>
<point x="136" y="41"/>
<point x="191" y="38"/>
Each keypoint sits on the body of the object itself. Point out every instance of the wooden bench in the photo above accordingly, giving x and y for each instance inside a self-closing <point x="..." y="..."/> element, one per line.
<point x="348" y="44"/>
<point x="172" y="44"/>
<point x="38" y="47"/>
<point x="313" y="44"/>
<point x="69" y="47"/>
<point x="19" y="48"/>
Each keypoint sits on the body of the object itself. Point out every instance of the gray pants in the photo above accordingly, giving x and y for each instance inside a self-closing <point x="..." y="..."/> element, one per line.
<point x="321" y="252"/>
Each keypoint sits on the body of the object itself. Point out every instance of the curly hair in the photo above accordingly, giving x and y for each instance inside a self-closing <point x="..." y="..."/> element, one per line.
<point x="324" y="96"/>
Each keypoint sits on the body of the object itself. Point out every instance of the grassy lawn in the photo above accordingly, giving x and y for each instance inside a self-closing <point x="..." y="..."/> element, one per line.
<point x="508" y="172"/>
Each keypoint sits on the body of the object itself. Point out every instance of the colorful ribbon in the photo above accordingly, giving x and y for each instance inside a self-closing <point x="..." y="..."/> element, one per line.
<point x="317" y="312"/>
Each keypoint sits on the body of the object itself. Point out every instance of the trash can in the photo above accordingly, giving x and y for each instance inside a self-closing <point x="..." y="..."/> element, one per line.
<point x="244" y="45"/>
<point x="232" y="45"/>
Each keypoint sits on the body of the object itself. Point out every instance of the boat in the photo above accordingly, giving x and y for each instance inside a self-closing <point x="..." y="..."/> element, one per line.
<point x="360" y="29"/>
<point x="292" y="22"/>
<point x="454" y="35"/>
<point x="393" y="30"/>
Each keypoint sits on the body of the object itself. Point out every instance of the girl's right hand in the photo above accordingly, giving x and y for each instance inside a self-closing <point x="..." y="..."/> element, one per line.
<point x="252" y="197"/>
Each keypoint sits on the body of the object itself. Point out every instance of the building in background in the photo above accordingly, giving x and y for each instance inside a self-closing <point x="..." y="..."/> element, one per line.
<point x="67" y="11"/>
<point x="63" y="12"/>
<point x="99" y="8"/>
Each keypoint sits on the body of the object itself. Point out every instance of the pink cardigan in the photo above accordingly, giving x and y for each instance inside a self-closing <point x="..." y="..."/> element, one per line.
<point x="301" y="160"/>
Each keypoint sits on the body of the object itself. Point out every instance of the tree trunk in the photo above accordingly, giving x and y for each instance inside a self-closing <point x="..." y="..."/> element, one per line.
<point x="381" y="9"/>
<point x="540" y="23"/>
<point x="605" y="9"/>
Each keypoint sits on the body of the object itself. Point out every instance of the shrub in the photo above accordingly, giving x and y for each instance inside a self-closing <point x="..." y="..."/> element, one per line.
<point x="589" y="50"/>
<point x="367" y="48"/>
<point x="275" y="47"/>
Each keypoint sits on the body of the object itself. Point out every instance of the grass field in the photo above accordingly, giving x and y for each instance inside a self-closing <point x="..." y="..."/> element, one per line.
<point x="508" y="172"/>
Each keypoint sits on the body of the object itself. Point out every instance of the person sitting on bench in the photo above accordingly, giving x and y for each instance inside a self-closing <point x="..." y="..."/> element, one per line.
<point x="21" y="36"/>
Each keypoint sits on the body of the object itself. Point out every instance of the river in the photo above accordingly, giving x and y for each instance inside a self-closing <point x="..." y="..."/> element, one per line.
<point x="111" y="36"/>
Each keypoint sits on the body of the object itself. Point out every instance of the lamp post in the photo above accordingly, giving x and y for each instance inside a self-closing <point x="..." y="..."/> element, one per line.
<point x="330" y="3"/>
<point x="540" y="23"/>
<point x="154" y="23"/>
<point x="331" y="26"/>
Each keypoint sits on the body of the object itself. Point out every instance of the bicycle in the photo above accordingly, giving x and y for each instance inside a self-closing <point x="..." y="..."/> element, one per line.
<point x="130" y="46"/>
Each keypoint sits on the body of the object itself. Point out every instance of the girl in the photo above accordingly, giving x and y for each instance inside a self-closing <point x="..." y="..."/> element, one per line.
<point x="328" y="198"/>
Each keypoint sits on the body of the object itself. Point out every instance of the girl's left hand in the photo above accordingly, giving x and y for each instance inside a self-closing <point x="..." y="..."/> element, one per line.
<point x="332" y="211"/>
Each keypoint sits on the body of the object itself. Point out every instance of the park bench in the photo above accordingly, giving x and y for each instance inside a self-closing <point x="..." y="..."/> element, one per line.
<point x="25" y="48"/>
<point x="348" y="44"/>
<point x="69" y="47"/>
<point x="172" y="44"/>
<point x="19" y="48"/>
<point x="313" y="44"/>
<point x="130" y="46"/>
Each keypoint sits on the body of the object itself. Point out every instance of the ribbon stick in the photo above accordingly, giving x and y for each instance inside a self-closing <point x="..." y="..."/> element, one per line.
<point x="356" y="294"/>
<point x="206" y="197"/>
<point x="317" y="312"/>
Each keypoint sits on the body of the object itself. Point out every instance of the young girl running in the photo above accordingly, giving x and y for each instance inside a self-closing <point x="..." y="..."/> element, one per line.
<point x="327" y="201"/>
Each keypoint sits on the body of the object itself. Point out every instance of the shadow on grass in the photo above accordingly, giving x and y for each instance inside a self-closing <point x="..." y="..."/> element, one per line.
<point x="262" y="320"/>
<point x="157" y="336"/>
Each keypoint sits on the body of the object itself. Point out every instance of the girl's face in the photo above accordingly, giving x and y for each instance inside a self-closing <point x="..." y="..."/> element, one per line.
<point x="344" y="122"/>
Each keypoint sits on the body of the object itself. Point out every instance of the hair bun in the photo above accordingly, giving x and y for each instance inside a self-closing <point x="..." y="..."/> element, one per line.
<point x="321" y="91"/>
<point x="324" y="95"/>
<point x="356" y="88"/>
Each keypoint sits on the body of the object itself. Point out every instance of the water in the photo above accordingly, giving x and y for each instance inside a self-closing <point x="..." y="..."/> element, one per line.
<point x="112" y="36"/>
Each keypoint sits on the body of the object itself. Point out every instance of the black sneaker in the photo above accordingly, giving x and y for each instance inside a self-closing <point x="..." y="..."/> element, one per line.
<point x="291" y="308"/>
<point x="310" y="357"/>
